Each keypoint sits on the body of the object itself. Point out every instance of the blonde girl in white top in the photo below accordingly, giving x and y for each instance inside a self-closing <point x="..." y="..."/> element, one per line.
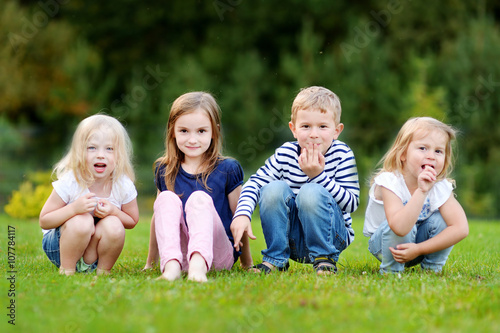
<point x="412" y="215"/>
<point x="93" y="201"/>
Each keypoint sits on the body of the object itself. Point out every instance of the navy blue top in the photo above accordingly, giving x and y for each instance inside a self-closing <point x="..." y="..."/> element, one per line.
<point x="226" y="176"/>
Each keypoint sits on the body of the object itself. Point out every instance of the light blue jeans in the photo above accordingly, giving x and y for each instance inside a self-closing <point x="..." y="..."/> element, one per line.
<point x="423" y="230"/>
<point x="300" y="227"/>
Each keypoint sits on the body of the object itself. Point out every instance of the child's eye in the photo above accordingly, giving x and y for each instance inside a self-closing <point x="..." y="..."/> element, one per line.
<point x="439" y="151"/>
<point x="90" y="148"/>
<point x="110" y="149"/>
<point x="202" y="131"/>
<point x="422" y="148"/>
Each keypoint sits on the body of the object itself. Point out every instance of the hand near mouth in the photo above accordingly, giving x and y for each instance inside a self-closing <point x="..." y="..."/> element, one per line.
<point x="311" y="160"/>
<point x="427" y="178"/>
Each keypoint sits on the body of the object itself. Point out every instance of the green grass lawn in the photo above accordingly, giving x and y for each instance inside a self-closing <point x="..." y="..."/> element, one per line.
<point x="464" y="298"/>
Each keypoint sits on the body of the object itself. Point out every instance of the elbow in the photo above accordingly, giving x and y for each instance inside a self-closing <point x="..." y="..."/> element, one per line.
<point x="131" y="225"/>
<point x="397" y="229"/>
<point x="464" y="232"/>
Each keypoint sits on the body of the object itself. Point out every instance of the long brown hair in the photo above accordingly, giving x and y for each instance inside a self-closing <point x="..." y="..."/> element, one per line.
<point x="173" y="157"/>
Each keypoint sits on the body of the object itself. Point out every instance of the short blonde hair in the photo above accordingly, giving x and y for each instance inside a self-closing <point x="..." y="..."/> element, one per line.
<point x="319" y="98"/>
<point x="392" y="159"/>
<point x="75" y="159"/>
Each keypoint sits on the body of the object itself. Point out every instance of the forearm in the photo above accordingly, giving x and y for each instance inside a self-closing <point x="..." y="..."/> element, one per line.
<point x="448" y="237"/>
<point x="57" y="217"/>
<point x="403" y="220"/>
<point x="128" y="221"/>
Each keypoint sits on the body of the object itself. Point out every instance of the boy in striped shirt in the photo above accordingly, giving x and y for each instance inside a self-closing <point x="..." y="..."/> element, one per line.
<point x="306" y="190"/>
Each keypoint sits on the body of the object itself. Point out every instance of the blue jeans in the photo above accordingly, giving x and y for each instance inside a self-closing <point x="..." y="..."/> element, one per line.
<point x="423" y="230"/>
<point x="50" y="245"/>
<point x="300" y="227"/>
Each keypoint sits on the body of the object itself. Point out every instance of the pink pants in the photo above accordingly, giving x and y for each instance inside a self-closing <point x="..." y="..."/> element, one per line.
<point x="202" y="231"/>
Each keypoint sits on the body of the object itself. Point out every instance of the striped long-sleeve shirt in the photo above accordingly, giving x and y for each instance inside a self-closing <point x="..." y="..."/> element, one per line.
<point x="339" y="177"/>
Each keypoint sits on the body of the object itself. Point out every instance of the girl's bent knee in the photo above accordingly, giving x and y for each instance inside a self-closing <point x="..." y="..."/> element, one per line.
<point x="167" y="197"/>
<point x="80" y="225"/>
<point x="112" y="228"/>
<point x="199" y="199"/>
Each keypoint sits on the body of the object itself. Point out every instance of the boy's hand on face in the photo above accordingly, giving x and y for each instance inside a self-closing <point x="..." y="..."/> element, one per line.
<point x="311" y="160"/>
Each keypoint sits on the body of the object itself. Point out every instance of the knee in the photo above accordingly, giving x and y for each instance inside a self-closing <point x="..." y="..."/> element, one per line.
<point x="199" y="199"/>
<point x="80" y="225"/>
<point x="167" y="197"/>
<point x="112" y="228"/>
<point x="274" y="193"/>
<point x="310" y="195"/>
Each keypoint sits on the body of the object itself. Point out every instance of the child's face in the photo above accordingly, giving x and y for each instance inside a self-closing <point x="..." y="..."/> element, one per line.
<point x="427" y="149"/>
<point x="101" y="155"/>
<point x="315" y="127"/>
<point x="193" y="134"/>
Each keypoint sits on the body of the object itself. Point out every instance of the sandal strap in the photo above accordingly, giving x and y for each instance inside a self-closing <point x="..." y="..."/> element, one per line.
<point x="262" y="268"/>
<point x="324" y="264"/>
<point x="266" y="269"/>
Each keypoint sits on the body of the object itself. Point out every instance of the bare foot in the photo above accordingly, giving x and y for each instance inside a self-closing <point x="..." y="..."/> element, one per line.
<point x="101" y="271"/>
<point x="197" y="268"/>
<point x="67" y="272"/>
<point x="172" y="271"/>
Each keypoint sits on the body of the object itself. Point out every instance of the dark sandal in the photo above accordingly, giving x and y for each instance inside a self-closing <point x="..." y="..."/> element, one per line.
<point x="264" y="269"/>
<point x="324" y="265"/>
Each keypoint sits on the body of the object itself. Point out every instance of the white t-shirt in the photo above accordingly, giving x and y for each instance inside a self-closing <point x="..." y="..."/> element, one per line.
<point x="69" y="190"/>
<point x="395" y="182"/>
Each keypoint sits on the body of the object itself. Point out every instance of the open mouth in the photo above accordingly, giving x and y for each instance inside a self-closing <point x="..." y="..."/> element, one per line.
<point x="425" y="165"/>
<point x="100" y="167"/>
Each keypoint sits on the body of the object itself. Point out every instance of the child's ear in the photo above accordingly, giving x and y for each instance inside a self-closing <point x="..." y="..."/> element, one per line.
<point x="338" y="130"/>
<point x="292" y="128"/>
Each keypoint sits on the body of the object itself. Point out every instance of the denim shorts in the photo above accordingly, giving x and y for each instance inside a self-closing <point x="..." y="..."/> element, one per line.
<point x="50" y="245"/>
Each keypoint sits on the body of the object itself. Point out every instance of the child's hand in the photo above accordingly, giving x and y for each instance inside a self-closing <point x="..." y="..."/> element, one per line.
<point x="311" y="160"/>
<point x="239" y="227"/>
<point x="405" y="252"/>
<point x="103" y="208"/>
<point x="426" y="179"/>
<point x="85" y="204"/>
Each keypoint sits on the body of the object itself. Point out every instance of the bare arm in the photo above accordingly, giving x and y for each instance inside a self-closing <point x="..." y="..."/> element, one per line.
<point x="246" y="256"/>
<point x="402" y="218"/>
<point x="456" y="230"/>
<point x="56" y="212"/>
<point x="153" y="253"/>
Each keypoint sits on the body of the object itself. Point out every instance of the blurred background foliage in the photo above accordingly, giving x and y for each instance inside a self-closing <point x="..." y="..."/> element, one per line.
<point x="62" y="60"/>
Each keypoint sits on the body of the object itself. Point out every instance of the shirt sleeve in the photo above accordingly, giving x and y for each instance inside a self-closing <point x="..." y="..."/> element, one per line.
<point x="234" y="175"/>
<point x="129" y="191"/>
<point x="440" y="193"/>
<point x="390" y="182"/>
<point x="67" y="188"/>
<point x="250" y="192"/>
